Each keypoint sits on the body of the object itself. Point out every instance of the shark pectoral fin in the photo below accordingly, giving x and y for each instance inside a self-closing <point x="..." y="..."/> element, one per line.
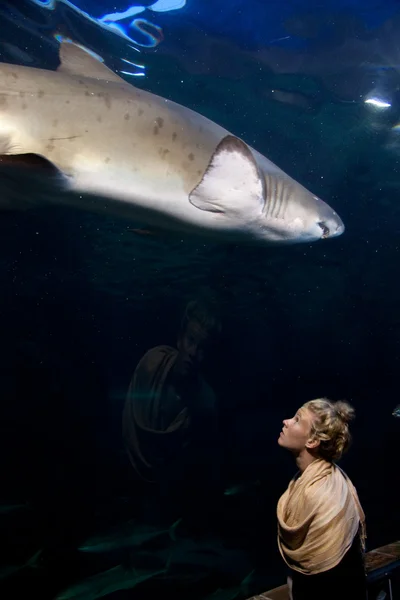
<point x="28" y="180"/>
<point x="31" y="161"/>
<point x="76" y="60"/>
<point x="232" y="182"/>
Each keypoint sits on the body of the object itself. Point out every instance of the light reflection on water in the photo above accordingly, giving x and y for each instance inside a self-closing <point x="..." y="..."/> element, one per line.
<point x="139" y="31"/>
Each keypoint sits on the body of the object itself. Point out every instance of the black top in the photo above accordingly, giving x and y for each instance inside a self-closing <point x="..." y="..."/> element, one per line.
<point x="346" y="581"/>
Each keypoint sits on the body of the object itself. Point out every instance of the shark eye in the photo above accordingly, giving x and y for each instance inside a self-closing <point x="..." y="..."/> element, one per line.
<point x="325" y="230"/>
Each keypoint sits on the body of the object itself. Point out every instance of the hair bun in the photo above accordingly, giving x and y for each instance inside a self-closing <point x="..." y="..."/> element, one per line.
<point x="344" y="410"/>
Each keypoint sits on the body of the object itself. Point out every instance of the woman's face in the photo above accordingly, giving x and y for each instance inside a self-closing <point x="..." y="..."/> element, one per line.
<point x="296" y="432"/>
<point x="192" y="342"/>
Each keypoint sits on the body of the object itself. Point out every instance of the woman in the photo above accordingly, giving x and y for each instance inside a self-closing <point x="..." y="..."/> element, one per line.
<point x="321" y="525"/>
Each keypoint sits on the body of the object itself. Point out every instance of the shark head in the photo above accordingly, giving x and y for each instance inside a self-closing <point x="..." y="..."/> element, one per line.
<point x="293" y="214"/>
<point x="260" y="200"/>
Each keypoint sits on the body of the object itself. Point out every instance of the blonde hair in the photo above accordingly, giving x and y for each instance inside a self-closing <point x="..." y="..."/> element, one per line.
<point x="331" y="426"/>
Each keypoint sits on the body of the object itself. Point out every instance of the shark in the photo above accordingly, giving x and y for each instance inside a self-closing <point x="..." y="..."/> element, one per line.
<point x="83" y="136"/>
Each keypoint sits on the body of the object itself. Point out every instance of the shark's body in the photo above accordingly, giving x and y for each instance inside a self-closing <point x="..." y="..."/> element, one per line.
<point x="104" y="145"/>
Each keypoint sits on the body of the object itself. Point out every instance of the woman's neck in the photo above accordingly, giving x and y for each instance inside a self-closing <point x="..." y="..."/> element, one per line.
<point x="304" y="459"/>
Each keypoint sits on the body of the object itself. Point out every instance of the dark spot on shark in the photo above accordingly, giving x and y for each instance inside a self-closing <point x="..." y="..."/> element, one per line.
<point x="14" y="75"/>
<point x="99" y="119"/>
<point x="155" y="130"/>
<point x="3" y="101"/>
<point x="22" y="94"/>
<point x="67" y="101"/>
<point x="106" y="97"/>
<point x="174" y="136"/>
<point x="160" y="122"/>
<point x="55" y="123"/>
<point x="191" y="156"/>
<point x="24" y="106"/>
<point x="140" y="111"/>
<point x="163" y="152"/>
<point x="199" y="172"/>
<point x="107" y="160"/>
<point x="50" y="146"/>
<point x="81" y="82"/>
<point x="127" y="116"/>
<point x="40" y="94"/>
<point x="87" y="93"/>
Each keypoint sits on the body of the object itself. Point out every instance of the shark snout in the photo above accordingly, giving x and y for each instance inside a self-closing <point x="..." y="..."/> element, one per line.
<point x="330" y="223"/>
<point x="331" y="228"/>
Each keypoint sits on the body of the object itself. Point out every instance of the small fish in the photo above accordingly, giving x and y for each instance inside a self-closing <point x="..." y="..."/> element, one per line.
<point x="205" y="556"/>
<point x="140" y="231"/>
<point x="146" y="159"/>
<point x="241" y="488"/>
<point x="7" y="509"/>
<point x="225" y="594"/>
<point x="129" y="535"/>
<point x="100" y="585"/>
<point x="9" y="570"/>
<point x="396" y="412"/>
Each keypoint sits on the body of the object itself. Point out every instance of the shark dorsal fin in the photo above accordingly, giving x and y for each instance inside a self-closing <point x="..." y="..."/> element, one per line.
<point x="76" y="60"/>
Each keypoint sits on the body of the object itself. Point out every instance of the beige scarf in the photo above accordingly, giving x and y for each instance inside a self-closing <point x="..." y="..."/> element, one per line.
<point x="318" y="517"/>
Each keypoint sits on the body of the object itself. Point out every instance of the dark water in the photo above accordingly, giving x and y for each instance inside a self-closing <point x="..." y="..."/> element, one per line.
<point x="82" y="297"/>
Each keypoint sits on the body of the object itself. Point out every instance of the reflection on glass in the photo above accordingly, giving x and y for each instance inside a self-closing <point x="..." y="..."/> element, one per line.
<point x="138" y="31"/>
